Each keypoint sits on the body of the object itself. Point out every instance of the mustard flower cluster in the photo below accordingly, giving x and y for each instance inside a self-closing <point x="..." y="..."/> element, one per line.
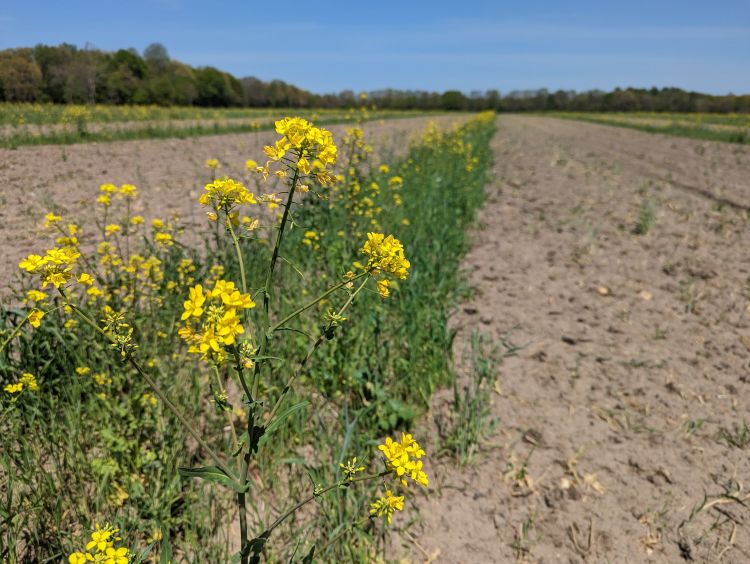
<point x="385" y="254"/>
<point x="108" y="191"/>
<point x="224" y="194"/>
<point x="403" y="460"/>
<point x="387" y="505"/>
<point x="212" y="321"/>
<point x="312" y="149"/>
<point x="27" y="381"/>
<point x="103" y="547"/>
<point x="55" y="267"/>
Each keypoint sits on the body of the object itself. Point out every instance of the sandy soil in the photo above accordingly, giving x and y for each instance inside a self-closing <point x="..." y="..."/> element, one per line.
<point x="169" y="174"/>
<point x="617" y="418"/>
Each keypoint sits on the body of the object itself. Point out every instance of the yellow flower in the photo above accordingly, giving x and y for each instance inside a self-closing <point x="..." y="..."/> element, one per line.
<point x="128" y="191"/>
<point x="79" y="558"/>
<point x="305" y="140"/>
<point x="213" y="164"/>
<point x="111" y="229"/>
<point x="383" y="288"/>
<point x="64" y="255"/>
<point x="164" y="239"/>
<point x="27" y="379"/>
<point x="35" y="317"/>
<point x="229" y="326"/>
<point x="209" y="342"/>
<point x="82" y="370"/>
<point x="225" y="193"/>
<point x="350" y="469"/>
<point x="102" y="379"/>
<point x="220" y="325"/>
<point x="157" y="224"/>
<point x="55" y="277"/>
<point x="237" y="299"/>
<point x="94" y="292"/>
<point x="251" y="164"/>
<point x="387" y="505"/>
<point x="104" y="539"/>
<point x="32" y="263"/>
<point x="136" y="220"/>
<point x="108" y="188"/>
<point x="117" y="555"/>
<point x="50" y="219"/>
<point x="303" y="165"/>
<point x="86" y="279"/>
<point x="36" y="296"/>
<point x="149" y="400"/>
<point x="14" y="388"/>
<point x="194" y="304"/>
<point x="403" y="459"/>
<point x="386" y="254"/>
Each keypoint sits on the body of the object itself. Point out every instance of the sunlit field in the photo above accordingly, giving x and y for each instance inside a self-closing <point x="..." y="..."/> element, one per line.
<point x="374" y="283"/>
<point x="40" y="124"/>
<point x="247" y="389"/>
<point x="732" y="128"/>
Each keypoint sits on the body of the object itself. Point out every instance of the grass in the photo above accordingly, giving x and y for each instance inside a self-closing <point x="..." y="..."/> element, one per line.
<point x="469" y="423"/>
<point x="734" y="128"/>
<point x="738" y="436"/>
<point x="646" y="218"/>
<point x="95" y="446"/>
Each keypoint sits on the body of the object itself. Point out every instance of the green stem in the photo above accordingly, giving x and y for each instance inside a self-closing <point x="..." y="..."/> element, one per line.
<point x="241" y="499"/>
<point x="307" y="306"/>
<point x="310" y="352"/>
<point x="237" y="249"/>
<point x="277" y="247"/>
<point x="228" y="413"/>
<point x="315" y="495"/>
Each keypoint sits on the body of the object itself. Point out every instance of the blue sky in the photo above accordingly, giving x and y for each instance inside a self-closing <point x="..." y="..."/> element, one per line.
<point x="438" y="45"/>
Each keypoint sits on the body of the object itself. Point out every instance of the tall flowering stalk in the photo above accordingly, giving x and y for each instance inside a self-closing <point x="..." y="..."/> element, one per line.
<point x="216" y="322"/>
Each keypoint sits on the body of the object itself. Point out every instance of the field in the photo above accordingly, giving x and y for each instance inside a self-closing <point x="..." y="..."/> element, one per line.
<point x="43" y="124"/>
<point x="565" y="334"/>
<point x="614" y="261"/>
<point x="733" y="128"/>
<point x="194" y="422"/>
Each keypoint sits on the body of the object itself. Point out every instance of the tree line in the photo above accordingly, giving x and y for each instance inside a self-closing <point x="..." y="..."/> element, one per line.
<point x="68" y="74"/>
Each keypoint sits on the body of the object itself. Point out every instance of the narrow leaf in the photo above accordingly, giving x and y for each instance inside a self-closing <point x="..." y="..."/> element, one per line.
<point x="213" y="474"/>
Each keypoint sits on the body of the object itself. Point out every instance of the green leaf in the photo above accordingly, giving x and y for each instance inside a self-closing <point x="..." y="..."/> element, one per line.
<point x="280" y="418"/>
<point x="213" y="474"/>
<point x="166" y="552"/>
<point x="309" y="558"/>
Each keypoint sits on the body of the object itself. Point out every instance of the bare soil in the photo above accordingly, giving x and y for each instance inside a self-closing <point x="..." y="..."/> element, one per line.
<point x="169" y="173"/>
<point x="622" y="432"/>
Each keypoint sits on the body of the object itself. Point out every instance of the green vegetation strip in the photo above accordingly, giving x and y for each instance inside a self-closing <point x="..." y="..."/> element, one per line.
<point x="111" y="451"/>
<point x="738" y="134"/>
